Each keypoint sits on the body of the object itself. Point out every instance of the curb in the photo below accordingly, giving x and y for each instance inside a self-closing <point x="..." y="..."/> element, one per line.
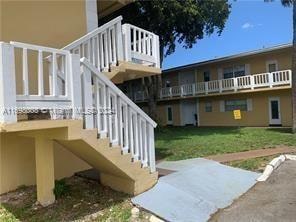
<point x="275" y="163"/>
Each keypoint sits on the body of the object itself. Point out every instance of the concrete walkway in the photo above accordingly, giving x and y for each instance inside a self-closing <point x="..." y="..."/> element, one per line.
<point x="224" y="158"/>
<point x="270" y="201"/>
<point x="197" y="189"/>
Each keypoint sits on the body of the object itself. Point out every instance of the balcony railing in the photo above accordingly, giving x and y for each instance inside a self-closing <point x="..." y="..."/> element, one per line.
<point x="243" y="83"/>
<point x="113" y="42"/>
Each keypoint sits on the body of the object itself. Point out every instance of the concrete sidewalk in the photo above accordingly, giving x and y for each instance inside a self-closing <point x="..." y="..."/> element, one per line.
<point x="270" y="201"/>
<point x="194" y="189"/>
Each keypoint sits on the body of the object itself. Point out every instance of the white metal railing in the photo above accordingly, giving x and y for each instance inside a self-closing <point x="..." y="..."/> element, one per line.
<point x="29" y="80"/>
<point x="251" y="82"/>
<point x="114" y="42"/>
<point x="105" y="107"/>
<point x="121" y="120"/>
<point x="140" y="45"/>
<point x="102" y="47"/>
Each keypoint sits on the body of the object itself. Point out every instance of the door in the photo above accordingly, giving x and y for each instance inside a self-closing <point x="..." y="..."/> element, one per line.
<point x="189" y="112"/>
<point x="169" y="115"/>
<point x="274" y="111"/>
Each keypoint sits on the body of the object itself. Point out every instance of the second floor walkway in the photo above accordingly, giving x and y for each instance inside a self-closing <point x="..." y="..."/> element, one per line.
<point x="255" y="82"/>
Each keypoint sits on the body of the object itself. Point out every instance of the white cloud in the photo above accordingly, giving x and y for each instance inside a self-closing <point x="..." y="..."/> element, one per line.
<point x="247" y="25"/>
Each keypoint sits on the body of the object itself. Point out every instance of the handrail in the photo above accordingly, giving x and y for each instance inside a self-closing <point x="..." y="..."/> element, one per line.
<point x="110" y="84"/>
<point x="37" y="48"/>
<point x="281" y="77"/>
<point x="92" y="33"/>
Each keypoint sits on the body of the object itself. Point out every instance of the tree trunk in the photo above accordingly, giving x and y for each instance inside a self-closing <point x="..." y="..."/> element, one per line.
<point x="294" y="69"/>
<point x="152" y="87"/>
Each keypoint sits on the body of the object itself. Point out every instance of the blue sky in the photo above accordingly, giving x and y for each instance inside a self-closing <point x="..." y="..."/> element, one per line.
<point x="251" y="25"/>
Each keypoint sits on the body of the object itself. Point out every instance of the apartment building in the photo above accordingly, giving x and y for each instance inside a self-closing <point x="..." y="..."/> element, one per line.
<point x="56" y="64"/>
<point x="205" y="93"/>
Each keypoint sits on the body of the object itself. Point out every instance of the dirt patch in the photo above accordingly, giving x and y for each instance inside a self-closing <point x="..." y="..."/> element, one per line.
<point x="86" y="200"/>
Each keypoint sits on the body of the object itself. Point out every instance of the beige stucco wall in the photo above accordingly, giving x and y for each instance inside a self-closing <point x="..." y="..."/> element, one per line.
<point x="45" y="22"/>
<point x="162" y="112"/>
<point x="259" y="116"/>
<point x="257" y="65"/>
<point x="17" y="162"/>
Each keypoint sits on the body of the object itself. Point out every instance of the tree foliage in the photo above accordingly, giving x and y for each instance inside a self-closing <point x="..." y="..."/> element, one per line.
<point x="182" y="21"/>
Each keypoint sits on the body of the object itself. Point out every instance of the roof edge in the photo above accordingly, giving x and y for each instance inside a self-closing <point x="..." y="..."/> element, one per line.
<point x="224" y="58"/>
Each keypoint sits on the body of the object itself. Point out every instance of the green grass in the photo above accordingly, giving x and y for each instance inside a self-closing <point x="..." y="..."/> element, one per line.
<point x="177" y="143"/>
<point x="255" y="164"/>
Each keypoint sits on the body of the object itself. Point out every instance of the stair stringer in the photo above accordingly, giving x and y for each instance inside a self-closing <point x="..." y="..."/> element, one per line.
<point x="116" y="170"/>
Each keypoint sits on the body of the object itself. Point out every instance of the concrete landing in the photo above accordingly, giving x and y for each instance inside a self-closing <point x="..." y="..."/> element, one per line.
<point x="197" y="189"/>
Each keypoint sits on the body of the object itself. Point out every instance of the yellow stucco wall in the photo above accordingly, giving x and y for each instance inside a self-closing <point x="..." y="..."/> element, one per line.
<point x="44" y="22"/>
<point x="257" y="65"/>
<point x="162" y="112"/>
<point x="259" y="116"/>
<point x="17" y="162"/>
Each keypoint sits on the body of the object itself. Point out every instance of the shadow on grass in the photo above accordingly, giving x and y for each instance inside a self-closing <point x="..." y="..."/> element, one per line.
<point x="280" y="130"/>
<point x="84" y="198"/>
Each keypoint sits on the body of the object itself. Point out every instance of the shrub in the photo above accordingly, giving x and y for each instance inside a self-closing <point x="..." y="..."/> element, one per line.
<point x="61" y="188"/>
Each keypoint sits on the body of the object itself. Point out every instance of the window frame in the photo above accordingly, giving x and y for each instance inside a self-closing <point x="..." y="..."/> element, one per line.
<point x="232" y="73"/>
<point x="235" y="105"/>
<point x="169" y="121"/>
<point x="208" y="107"/>
<point x="271" y="62"/>
<point x="207" y="74"/>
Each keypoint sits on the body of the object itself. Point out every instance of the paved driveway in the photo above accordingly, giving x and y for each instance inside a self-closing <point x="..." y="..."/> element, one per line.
<point x="270" y="201"/>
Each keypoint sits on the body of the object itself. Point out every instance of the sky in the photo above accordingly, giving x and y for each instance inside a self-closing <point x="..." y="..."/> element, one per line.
<point x="251" y="25"/>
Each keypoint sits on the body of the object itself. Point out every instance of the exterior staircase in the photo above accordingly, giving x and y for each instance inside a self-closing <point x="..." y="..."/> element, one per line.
<point x="89" y="115"/>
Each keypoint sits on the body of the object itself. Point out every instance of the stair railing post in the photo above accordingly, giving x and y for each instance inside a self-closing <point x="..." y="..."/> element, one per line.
<point x="87" y="98"/>
<point x="75" y="86"/>
<point x="126" y="31"/>
<point x="7" y="84"/>
<point x="119" y="42"/>
<point x="151" y="149"/>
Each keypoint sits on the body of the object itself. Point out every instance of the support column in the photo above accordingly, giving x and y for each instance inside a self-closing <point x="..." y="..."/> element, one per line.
<point x="44" y="170"/>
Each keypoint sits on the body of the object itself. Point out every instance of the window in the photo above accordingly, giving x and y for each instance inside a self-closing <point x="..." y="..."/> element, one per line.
<point x="234" y="71"/>
<point x="207" y="76"/>
<point x="271" y="67"/>
<point x="208" y="107"/>
<point x="169" y="115"/>
<point x="228" y="73"/>
<point x="239" y="70"/>
<point x="240" y="104"/>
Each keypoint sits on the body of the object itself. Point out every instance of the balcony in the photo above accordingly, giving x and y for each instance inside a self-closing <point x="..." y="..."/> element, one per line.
<point x="217" y="87"/>
<point x="126" y="46"/>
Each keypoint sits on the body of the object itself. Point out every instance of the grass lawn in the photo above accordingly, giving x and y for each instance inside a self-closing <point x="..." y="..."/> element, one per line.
<point x="83" y="200"/>
<point x="177" y="143"/>
<point x="255" y="164"/>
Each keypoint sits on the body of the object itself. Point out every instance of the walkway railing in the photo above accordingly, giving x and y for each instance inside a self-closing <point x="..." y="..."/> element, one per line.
<point x="250" y="82"/>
